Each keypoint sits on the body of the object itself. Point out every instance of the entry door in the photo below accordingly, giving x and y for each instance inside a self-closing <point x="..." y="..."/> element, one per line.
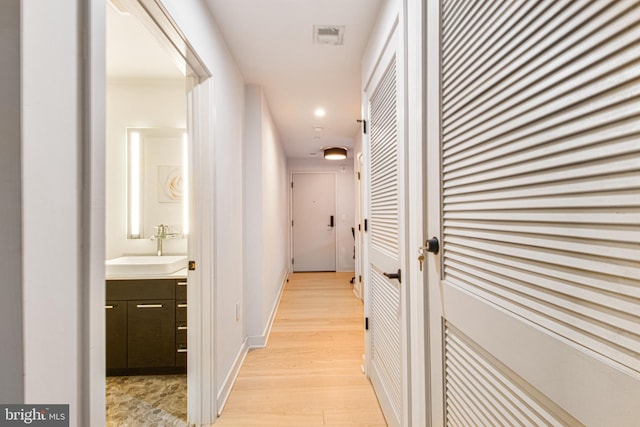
<point x="314" y="221"/>
<point x="534" y="192"/>
<point x="385" y="294"/>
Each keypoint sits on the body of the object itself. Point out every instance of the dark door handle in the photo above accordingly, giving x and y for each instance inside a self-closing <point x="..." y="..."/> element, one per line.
<point x="331" y="221"/>
<point x="397" y="275"/>
<point x="432" y="245"/>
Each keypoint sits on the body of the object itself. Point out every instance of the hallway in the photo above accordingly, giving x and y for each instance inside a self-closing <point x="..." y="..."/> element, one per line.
<point x="309" y="374"/>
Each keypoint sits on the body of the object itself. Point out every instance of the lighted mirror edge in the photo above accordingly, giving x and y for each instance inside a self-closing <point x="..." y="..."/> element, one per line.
<point x="185" y="184"/>
<point x="135" y="185"/>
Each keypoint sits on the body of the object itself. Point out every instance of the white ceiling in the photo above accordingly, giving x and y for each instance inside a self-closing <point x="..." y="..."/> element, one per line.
<point x="132" y="52"/>
<point x="272" y="42"/>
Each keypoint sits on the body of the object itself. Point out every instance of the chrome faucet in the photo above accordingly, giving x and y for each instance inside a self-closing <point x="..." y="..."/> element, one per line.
<point x="162" y="232"/>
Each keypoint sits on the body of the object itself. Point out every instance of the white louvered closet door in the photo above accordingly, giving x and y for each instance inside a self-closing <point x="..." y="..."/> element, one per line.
<point x="384" y="295"/>
<point x="534" y="190"/>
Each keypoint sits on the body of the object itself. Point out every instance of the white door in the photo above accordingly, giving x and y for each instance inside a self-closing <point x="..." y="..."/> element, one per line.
<point x="533" y="142"/>
<point x="385" y="294"/>
<point x="314" y="221"/>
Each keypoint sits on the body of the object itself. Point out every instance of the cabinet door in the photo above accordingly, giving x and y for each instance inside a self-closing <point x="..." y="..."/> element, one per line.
<point x="116" y="324"/>
<point x="151" y="334"/>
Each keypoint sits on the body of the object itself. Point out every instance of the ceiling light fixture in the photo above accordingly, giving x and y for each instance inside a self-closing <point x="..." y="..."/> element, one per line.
<point x="320" y="112"/>
<point x="335" y="153"/>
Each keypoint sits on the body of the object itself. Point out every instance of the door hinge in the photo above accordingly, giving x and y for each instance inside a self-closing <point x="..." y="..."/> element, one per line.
<point x="366" y="323"/>
<point x="366" y="225"/>
<point x="192" y="265"/>
<point x="360" y="278"/>
<point x="291" y="260"/>
<point x="291" y="184"/>
<point x="358" y="175"/>
<point x="364" y="125"/>
<point x="359" y="227"/>
<point x="292" y="223"/>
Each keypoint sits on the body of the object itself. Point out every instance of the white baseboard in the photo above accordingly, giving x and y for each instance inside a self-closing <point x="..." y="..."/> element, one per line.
<point x="260" y="341"/>
<point x="229" y="381"/>
<point x="250" y="342"/>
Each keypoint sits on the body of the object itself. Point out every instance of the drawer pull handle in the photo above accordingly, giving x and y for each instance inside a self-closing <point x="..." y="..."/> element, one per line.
<point x="182" y="283"/>
<point x="182" y="328"/>
<point x="182" y="350"/>
<point x="109" y="306"/>
<point x="150" y="305"/>
<point x="182" y="305"/>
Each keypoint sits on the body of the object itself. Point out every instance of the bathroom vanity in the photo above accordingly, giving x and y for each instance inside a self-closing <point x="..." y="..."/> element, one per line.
<point x="146" y="325"/>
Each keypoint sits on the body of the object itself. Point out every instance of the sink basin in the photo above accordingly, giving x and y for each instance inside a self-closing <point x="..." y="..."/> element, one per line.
<point x="145" y="265"/>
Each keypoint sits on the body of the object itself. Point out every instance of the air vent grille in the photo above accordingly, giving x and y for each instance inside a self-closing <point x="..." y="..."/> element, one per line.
<point x="328" y="34"/>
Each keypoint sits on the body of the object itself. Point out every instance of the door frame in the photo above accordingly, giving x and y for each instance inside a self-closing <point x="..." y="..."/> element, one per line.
<point x="335" y="195"/>
<point x="415" y="20"/>
<point x="201" y="388"/>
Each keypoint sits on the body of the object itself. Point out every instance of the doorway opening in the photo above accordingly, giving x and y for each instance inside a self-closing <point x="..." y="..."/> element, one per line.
<point x="158" y="139"/>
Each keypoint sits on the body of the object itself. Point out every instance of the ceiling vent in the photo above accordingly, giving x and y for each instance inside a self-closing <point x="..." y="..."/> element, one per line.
<point x="328" y="34"/>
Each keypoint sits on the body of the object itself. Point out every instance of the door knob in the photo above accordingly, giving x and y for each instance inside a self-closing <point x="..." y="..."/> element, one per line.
<point x="432" y="245"/>
<point x="397" y="275"/>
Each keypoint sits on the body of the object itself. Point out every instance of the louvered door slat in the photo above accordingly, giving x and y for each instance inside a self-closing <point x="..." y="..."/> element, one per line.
<point x="541" y="171"/>
<point x="505" y="40"/>
<point x="551" y="158"/>
<point x="473" y="377"/>
<point x="533" y="62"/>
<point x="384" y="165"/>
<point x="385" y="327"/>
<point x="555" y="276"/>
<point x="384" y="297"/>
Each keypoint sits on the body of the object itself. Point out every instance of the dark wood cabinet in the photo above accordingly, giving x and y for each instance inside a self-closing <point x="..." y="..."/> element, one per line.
<point x="116" y="323"/>
<point x="181" y="323"/>
<point x="151" y="334"/>
<point x="146" y="323"/>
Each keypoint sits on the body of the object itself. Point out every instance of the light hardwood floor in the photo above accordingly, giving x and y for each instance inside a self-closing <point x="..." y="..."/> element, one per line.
<point x="309" y="374"/>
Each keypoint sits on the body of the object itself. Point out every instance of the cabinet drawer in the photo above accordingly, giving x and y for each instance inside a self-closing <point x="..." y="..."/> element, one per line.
<point x="181" y="333"/>
<point x="121" y="290"/>
<point x="181" y="290"/>
<point x="181" y="355"/>
<point x="181" y="312"/>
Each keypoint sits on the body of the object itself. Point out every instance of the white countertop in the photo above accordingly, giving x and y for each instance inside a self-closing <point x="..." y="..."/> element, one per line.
<point x="180" y="274"/>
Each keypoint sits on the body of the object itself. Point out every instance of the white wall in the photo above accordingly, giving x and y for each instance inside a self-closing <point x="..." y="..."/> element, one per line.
<point x="138" y="103"/>
<point x="266" y="247"/>
<point x="52" y="148"/>
<point x="11" y="368"/>
<point x="200" y="29"/>
<point x="345" y="210"/>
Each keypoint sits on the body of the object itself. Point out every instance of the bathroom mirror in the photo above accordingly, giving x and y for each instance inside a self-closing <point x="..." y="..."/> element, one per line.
<point x="157" y="182"/>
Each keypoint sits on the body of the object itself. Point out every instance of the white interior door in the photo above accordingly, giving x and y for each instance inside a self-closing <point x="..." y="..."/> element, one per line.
<point x="314" y="221"/>
<point x="385" y="296"/>
<point x="534" y="191"/>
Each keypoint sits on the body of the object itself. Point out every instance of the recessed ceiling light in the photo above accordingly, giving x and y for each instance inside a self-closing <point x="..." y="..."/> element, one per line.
<point x="320" y="112"/>
<point x="318" y="128"/>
